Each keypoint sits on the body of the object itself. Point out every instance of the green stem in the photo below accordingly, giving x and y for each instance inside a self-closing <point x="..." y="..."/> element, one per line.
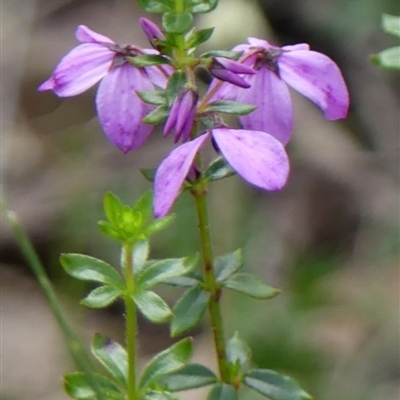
<point x="131" y="321"/>
<point x="180" y="51"/>
<point x="74" y="343"/>
<point x="211" y="283"/>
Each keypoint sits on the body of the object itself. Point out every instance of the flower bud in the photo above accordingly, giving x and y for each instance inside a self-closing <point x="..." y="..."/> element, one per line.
<point x="153" y="32"/>
<point x="227" y="70"/>
<point x="182" y="114"/>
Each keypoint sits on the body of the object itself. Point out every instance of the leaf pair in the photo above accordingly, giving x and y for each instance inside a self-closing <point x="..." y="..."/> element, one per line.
<point x="389" y="58"/>
<point x="147" y="275"/>
<point x="114" y="359"/>
<point x="164" y="6"/>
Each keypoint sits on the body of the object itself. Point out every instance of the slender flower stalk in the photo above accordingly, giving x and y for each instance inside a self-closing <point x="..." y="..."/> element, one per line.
<point x="131" y="321"/>
<point x="210" y="282"/>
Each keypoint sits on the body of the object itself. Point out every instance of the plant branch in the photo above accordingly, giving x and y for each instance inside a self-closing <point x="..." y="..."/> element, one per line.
<point x="200" y="194"/>
<point x="131" y="321"/>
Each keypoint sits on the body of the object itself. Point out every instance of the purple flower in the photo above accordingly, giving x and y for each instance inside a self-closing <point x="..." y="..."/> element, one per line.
<point x="256" y="156"/>
<point x="182" y="114"/>
<point x="311" y="73"/>
<point x="227" y="70"/>
<point x="119" y="108"/>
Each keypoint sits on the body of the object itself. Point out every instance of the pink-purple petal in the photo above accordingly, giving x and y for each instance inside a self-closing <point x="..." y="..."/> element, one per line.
<point x="172" y="172"/>
<point x="255" y="42"/>
<point x="159" y="75"/>
<point x="80" y="69"/>
<point x="119" y="108"/>
<point x="86" y="35"/>
<point x="274" y="113"/>
<point x="317" y="77"/>
<point x="256" y="156"/>
<point x="295" y="47"/>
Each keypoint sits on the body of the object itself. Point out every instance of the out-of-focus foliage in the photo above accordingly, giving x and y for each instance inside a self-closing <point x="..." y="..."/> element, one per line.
<point x="389" y="58"/>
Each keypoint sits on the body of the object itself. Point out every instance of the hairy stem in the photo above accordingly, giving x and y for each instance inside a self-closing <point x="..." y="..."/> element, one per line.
<point x="131" y="321"/>
<point x="211" y="283"/>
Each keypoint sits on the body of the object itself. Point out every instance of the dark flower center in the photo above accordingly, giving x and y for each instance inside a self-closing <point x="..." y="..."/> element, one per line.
<point x="268" y="58"/>
<point x="122" y="52"/>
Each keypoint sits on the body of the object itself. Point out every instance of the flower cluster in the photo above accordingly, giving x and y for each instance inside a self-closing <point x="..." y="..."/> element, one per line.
<point x="259" y="78"/>
<point x="119" y="108"/>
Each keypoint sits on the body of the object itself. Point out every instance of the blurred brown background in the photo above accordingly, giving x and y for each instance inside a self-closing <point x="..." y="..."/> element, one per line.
<point x="330" y="239"/>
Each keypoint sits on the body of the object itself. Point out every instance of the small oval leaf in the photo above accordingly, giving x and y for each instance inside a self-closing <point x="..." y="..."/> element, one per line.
<point x="250" y="285"/>
<point x="238" y="351"/>
<point x="202" y="6"/>
<point x="101" y="297"/>
<point x="275" y="386"/>
<point x="88" y="268"/>
<point x="140" y="254"/>
<point x="78" y="386"/>
<point x="219" y="169"/>
<point x="112" y="356"/>
<point x="177" y="22"/>
<point x="163" y="270"/>
<point x="170" y="360"/>
<point x="190" y="376"/>
<point x="155" y="6"/>
<point x="228" y="264"/>
<point x="152" y="306"/>
<point x="222" y="391"/>
<point x="231" y="107"/>
<point x="189" y="310"/>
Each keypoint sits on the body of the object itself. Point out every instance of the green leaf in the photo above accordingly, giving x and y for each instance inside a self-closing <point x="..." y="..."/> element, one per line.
<point x="163" y="270"/>
<point x="140" y="254"/>
<point x="159" y="224"/>
<point x="389" y="58"/>
<point x="218" y="169"/>
<point x="108" y="230"/>
<point x="148" y="60"/>
<point x="189" y="310"/>
<point x="112" y="356"/>
<point x="275" y="386"/>
<point x="101" y="297"/>
<point x="228" y="264"/>
<point x="78" y="386"/>
<point x="234" y="55"/>
<point x="238" y="351"/>
<point x="250" y="285"/>
<point x="202" y="6"/>
<point x="176" y="82"/>
<point x="222" y="391"/>
<point x="391" y="24"/>
<point x="197" y="37"/>
<point x="154" y="395"/>
<point x="231" y="107"/>
<point x="190" y="280"/>
<point x="144" y="205"/>
<point x="191" y="376"/>
<point x="170" y="360"/>
<point x="88" y="268"/>
<point x="173" y="22"/>
<point x="149" y="173"/>
<point x="156" y="97"/>
<point x="155" y="6"/>
<point x="156" y="116"/>
<point x="152" y="306"/>
<point x="112" y="207"/>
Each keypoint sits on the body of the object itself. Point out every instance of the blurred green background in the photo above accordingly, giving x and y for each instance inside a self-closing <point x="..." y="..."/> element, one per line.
<point x="329" y="239"/>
